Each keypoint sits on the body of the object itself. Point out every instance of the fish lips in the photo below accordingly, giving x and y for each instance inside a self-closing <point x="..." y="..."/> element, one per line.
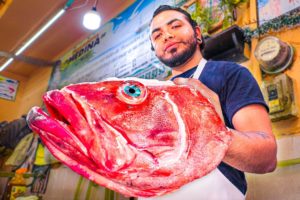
<point x="66" y="118"/>
<point x="64" y="108"/>
<point x="78" y="125"/>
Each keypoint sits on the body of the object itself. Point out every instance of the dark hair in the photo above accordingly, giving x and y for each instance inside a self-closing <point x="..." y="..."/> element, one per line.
<point x="192" y="22"/>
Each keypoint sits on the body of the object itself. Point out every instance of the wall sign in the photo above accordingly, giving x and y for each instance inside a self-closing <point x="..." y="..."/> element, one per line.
<point x="120" y="48"/>
<point x="8" y="88"/>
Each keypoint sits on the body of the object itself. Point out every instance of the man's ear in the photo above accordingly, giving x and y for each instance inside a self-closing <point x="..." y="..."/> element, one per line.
<point x="198" y="32"/>
<point x="152" y="48"/>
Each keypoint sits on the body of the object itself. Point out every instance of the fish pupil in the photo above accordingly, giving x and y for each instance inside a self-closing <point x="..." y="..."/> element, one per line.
<point x="132" y="91"/>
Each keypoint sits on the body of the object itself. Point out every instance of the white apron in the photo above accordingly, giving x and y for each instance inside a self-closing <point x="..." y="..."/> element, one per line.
<point x="213" y="186"/>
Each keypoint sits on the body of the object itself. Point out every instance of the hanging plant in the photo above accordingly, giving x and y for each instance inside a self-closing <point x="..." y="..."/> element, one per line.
<point x="212" y="18"/>
<point x="231" y="4"/>
<point x="229" y="9"/>
<point x="205" y="18"/>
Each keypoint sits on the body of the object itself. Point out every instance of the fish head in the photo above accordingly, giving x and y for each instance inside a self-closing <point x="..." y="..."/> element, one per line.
<point x="142" y="112"/>
<point x="139" y="137"/>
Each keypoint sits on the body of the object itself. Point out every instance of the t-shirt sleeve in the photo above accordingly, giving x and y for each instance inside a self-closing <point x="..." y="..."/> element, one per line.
<point x="241" y="89"/>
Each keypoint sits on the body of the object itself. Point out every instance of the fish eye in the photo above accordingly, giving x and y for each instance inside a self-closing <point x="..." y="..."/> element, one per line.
<point x="132" y="92"/>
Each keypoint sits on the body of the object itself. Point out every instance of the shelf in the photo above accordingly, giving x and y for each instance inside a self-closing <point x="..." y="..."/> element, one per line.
<point x="4" y="174"/>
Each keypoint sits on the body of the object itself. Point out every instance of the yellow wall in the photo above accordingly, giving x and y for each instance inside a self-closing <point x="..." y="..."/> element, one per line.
<point x="29" y="93"/>
<point x="247" y="16"/>
<point x="291" y="126"/>
<point x="36" y="86"/>
<point x="283" y="183"/>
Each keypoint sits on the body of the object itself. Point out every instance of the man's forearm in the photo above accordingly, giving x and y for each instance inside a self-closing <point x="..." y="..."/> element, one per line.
<point x="253" y="152"/>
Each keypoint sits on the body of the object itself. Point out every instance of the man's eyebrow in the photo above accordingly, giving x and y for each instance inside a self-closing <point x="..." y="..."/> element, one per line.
<point x="168" y="23"/>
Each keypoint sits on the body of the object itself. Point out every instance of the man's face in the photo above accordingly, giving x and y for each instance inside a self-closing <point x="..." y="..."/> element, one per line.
<point x="173" y="38"/>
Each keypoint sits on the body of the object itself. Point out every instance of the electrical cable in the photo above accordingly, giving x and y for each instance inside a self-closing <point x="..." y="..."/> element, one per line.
<point x="79" y="6"/>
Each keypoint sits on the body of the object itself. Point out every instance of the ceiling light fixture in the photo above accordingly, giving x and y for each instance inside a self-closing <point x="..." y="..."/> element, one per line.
<point x="6" y="64"/>
<point x="92" y="19"/>
<point x="39" y="33"/>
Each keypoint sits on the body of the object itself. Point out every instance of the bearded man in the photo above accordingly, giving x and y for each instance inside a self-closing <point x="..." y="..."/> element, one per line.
<point x="177" y="42"/>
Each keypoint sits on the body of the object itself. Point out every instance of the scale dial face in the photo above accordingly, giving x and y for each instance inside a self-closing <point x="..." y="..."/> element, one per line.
<point x="267" y="49"/>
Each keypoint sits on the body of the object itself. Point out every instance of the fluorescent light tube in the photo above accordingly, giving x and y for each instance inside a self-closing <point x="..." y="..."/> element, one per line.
<point x="42" y="30"/>
<point x="6" y="64"/>
<point x="34" y="37"/>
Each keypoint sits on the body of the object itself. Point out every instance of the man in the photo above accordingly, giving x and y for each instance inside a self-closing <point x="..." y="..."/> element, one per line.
<point x="177" y="42"/>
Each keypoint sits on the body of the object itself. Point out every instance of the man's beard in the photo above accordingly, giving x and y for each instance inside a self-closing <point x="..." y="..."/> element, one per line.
<point x="179" y="59"/>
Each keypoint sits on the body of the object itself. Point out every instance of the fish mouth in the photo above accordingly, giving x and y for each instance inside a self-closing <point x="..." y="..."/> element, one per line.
<point x="64" y="108"/>
<point x="66" y="127"/>
<point x="80" y="126"/>
<point x="66" y="115"/>
<point x="61" y="121"/>
<point x="56" y="111"/>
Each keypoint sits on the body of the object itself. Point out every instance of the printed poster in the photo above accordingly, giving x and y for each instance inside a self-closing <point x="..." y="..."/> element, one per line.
<point x="8" y="88"/>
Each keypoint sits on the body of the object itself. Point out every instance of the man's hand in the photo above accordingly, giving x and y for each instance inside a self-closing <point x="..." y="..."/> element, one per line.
<point x="253" y="147"/>
<point x="205" y="91"/>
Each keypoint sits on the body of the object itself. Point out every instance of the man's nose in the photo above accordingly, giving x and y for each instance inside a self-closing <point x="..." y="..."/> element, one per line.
<point x="168" y="35"/>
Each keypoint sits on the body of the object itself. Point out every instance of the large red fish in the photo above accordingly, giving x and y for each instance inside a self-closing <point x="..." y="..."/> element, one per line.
<point x="138" y="137"/>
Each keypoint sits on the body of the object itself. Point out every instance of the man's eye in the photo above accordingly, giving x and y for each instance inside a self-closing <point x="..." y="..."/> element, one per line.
<point x="175" y="26"/>
<point x="157" y="36"/>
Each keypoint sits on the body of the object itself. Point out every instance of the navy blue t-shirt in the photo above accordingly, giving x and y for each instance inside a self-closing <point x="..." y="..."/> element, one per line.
<point x="236" y="88"/>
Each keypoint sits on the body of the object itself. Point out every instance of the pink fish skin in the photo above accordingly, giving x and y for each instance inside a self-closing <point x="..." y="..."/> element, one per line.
<point x="138" y="137"/>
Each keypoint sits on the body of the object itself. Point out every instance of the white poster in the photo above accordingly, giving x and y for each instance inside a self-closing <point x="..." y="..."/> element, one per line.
<point x="8" y="88"/>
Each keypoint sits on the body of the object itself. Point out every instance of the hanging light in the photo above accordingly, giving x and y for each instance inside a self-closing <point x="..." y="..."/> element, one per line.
<point x="92" y="19"/>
